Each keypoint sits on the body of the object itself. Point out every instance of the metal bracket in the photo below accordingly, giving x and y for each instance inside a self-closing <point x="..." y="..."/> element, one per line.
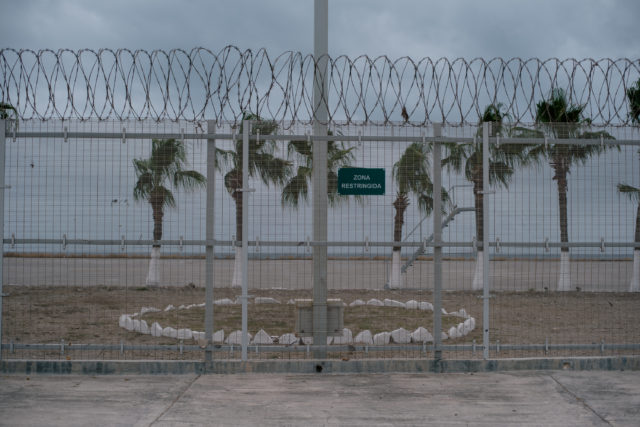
<point x="14" y="134"/>
<point x="64" y="241"/>
<point x="308" y="244"/>
<point x="602" y="244"/>
<point x="247" y="190"/>
<point x="122" y="242"/>
<point x="359" y="138"/>
<point x="124" y="135"/>
<point x="66" y="131"/>
<point x="474" y="242"/>
<point x="257" y="243"/>
<point x="13" y="240"/>
<point x="366" y="244"/>
<point x="546" y="244"/>
<point x="497" y="244"/>
<point x="498" y="141"/>
<point x="180" y="246"/>
<point x="546" y="142"/>
<point x="182" y="135"/>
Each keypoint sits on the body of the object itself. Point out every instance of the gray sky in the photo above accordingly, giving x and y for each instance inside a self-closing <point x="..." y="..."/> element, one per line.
<point x="454" y="28"/>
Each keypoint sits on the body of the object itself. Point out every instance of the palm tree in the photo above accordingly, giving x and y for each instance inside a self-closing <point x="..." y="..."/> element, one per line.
<point x="263" y="163"/>
<point x="297" y="188"/>
<point x="503" y="159"/>
<point x="155" y="175"/>
<point x="9" y="113"/>
<point x="411" y="175"/>
<point x="562" y="120"/>
<point x="633" y="93"/>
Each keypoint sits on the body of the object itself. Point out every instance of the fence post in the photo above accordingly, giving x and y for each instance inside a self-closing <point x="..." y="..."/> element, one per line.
<point x="485" y="239"/>
<point x="209" y="236"/>
<point x="319" y="176"/>
<point x="437" y="240"/>
<point x="245" y="225"/>
<point x="2" y="154"/>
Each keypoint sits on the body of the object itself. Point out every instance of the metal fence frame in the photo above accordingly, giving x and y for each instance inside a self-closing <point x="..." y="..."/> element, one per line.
<point x="209" y="243"/>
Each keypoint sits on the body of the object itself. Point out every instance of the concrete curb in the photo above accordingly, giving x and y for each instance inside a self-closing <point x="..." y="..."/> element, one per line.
<point x="369" y="366"/>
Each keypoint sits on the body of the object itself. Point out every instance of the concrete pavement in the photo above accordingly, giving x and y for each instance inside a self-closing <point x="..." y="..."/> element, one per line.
<point x="551" y="398"/>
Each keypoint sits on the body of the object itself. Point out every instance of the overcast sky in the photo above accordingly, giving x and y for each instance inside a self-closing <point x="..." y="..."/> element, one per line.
<point x="416" y="28"/>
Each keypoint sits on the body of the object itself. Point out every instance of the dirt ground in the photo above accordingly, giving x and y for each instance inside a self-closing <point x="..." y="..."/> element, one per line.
<point x="90" y="315"/>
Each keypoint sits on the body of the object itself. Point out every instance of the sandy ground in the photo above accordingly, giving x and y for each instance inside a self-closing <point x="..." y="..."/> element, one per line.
<point x="509" y="275"/>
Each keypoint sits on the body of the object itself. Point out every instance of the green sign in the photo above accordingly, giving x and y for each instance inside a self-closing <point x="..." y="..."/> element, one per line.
<point x="361" y="181"/>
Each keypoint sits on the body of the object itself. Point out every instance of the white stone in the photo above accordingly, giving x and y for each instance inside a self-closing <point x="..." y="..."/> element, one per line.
<point x="453" y="332"/>
<point x="346" y="338"/>
<point x="156" y="329"/>
<point x="262" y="338"/>
<point x="182" y="307"/>
<point x="356" y="303"/>
<point x="169" y="307"/>
<point x="288" y="339"/>
<point x="184" y="334"/>
<point x="411" y="305"/>
<point x="460" y="329"/>
<point x="128" y="323"/>
<point x="364" y="337"/>
<point x="236" y="338"/>
<point x="421" y="335"/>
<point x="382" y="338"/>
<point x="375" y="302"/>
<point x="200" y="305"/>
<point x="223" y="301"/>
<point x="394" y="303"/>
<point x="266" y="300"/>
<point x="401" y="336"/>
<point x="169" y="332"/>
<point x="469" y="325"/>
<point x="197" y="336"/>
<point x="136" y="325"/>
<point x="218" y="337"/>
<point x="425" y="306"/>
<point x="444" y="336"/>
<point x="291" y="301"/>
<point x="122" y="321"/>
<point x="444" y="312"/>
<point x="144" y="328"/>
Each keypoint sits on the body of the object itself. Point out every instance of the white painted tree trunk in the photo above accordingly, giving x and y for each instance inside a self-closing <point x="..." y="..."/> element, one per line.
<point x="395" y="278"/>
<point x="564" y="279"/>
<point x="236" y="281"/>
<point x="478" y="274"/>
<point x="153" y="277"/>
<point x="634" y="286"/>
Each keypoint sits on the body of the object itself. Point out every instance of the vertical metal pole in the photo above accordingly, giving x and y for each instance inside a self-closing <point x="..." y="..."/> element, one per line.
<point x="2" y="148"/>
<point x="209" y="236"/>
<point x="437" y="240"/>
<point x="245" y="225"/>
<point x="319" y="175"/>
<point x="485" y="239"/>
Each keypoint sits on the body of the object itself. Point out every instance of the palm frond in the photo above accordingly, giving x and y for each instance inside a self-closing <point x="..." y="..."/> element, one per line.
<point x="633" y="193"/>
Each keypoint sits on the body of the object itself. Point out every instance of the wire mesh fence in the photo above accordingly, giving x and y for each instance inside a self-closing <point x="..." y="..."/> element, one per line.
<point x="105" y="240"/>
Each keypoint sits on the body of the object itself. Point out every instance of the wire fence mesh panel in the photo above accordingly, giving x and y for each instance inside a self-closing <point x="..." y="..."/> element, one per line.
<point x="104" y="240"/>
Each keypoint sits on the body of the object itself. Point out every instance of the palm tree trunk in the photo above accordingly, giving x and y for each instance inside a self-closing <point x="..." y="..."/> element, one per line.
<point x="564" y="279"/>
<point x="153" y="276"/>
<point x="236" y="280"/>
<point x="478" y="275"/>
<point x="634" y="286"/>
<point x="400" y="205"/>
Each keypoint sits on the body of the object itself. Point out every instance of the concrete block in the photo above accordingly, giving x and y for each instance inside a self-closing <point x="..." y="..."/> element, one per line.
<point x="265" y="300"/>
<point x="223" y="301"/>
<point x="235" y="338"/>
<point x="218" y="337"/>
<point x="356" y="303"/>
<point x="136" y="325"/>
<point x="453" y="332"/>
<point x="144" y="328"/>
<point x="375" y="302"/>
<point x="169" y="307"/>
<point x="425" y="306"/>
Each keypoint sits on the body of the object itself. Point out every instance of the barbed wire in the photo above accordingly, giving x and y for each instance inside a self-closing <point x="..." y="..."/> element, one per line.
<point x="200" y="84"/>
